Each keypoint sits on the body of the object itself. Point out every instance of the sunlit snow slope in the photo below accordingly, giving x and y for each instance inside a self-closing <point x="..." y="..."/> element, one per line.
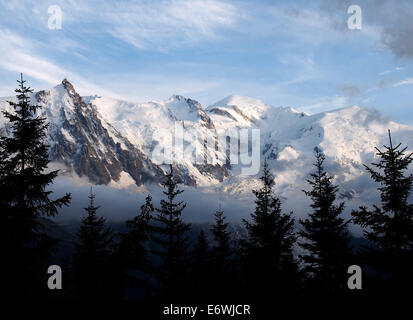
<point x="111" y="141"/>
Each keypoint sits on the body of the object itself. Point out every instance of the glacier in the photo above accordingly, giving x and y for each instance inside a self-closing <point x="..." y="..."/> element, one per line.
<point x="109" y="142"/>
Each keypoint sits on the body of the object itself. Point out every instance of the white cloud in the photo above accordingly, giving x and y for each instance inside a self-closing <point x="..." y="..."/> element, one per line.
<point x="162" y="24"/>
<point x="18" y="55"/>
<point x="390" y="71"/>
<point x="167" y="24"/>
<point x="325" y="104"/>
<point x="404" y="82"/>
<point x="14" y="57"/>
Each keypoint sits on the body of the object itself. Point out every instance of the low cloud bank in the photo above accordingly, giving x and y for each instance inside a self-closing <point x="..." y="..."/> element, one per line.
<point x="118" y="204"/>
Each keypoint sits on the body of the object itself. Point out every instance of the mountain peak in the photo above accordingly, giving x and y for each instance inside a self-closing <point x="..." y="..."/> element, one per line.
<point x="239" y="101"/>
<point x="106" y="138"/>
<point x="67" y="85"/>
<point x="176" y="102"/>
<point x="249" y="109"/>
<point x="177" y="97"/>
<point x="71" y="91"/>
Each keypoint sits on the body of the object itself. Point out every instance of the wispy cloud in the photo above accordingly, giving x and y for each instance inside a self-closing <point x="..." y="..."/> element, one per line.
<point x="390" y="71"/>
<point x="15" y="57"/>
<point x="172" y="23"/>
<point x="18" y="55"/>
<point x="403" y="82"/>
<point x="324" y="104"/>
<point x="285" y="53"/>
<point x="304" y="66"/>
<point x="144" y="24"/>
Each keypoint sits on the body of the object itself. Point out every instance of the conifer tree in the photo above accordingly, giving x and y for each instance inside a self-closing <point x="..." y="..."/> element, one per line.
<point x="169" y="234"/>
<point x="131" y="250"/>
<point x="325" y="235"/>
<point x="390" y="227"/>
<point x="220" y="255"/>
<point x="221" y="248"/>
<point x="269" y="247"/>
<point x="92" y="272"/>
<point x="25" y="198"/>
<point x="138" y="234"/>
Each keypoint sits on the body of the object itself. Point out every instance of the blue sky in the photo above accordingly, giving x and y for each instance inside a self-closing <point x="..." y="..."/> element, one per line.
<point x="286" y="53"/>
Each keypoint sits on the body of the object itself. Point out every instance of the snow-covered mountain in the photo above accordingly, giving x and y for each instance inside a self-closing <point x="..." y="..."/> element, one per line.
<point x="107" y="140"/>
<point x="112" y="141"/>
<point x="150" y="125"/>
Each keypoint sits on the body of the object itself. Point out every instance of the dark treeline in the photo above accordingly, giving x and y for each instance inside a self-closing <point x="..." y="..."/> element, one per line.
<point x="155" y="258"/>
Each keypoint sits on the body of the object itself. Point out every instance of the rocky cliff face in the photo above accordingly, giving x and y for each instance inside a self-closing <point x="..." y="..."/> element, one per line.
<point x="81" y="141"/>
<point x="105" y="139"/>
<point x="88" y="145"/>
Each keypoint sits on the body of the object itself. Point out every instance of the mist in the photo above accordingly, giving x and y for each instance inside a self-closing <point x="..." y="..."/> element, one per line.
<point x="118" y="205"/>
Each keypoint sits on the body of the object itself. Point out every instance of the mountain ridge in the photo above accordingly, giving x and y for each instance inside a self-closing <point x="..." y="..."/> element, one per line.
<point x="104" y="139"/>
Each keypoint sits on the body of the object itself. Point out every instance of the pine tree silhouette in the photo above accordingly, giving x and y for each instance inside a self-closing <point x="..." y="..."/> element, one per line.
<point x="169" y="233"/>
<point x="131" y="252"/>
<point x="91" y="270"/>
<point x="325" y="234"/>
<point x="23" y="184"/>
<point x="390" y="227"/>
<point x="220" y="252"/>
<point x="138" y="235"/>
<point x="268" y="250"/>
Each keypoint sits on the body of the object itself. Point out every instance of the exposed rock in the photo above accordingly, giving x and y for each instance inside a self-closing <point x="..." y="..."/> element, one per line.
<point x="85" y="146"/>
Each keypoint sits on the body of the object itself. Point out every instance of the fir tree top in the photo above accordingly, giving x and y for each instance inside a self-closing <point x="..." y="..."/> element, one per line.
<point x="170" y="234"/>
<point x="220" y="230"/>
<point x="221" y="248"/>
<point x="171" y="190"/>
<point x="396" y="187"/>
<point x="391" y="226"/>
<point x="323" y="192"/>
<point x="324" y="231"/>
<point x="269" y="228"/>
<point x="27" y="144"/>
<point x="25" y="155"/>
<point x="93" y="236"/>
